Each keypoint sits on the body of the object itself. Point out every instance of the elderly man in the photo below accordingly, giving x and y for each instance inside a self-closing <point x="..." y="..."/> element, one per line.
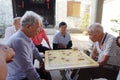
<point x="9" y="31"/>
<point x="6" y="55"/>
<point x="22" y="67"/>
<point x="106" y="50"/>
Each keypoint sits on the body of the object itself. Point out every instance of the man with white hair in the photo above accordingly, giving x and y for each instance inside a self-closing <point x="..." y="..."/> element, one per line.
<point x="22" y="67"/>
<point x="107" y="52"/>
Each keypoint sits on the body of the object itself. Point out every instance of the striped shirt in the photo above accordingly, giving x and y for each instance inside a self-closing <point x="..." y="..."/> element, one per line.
<point x="109" y="48"/>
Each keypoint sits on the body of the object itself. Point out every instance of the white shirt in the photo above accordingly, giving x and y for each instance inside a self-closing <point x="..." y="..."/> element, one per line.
<point x="9" y="31"/>
<point x="111" y="49"/>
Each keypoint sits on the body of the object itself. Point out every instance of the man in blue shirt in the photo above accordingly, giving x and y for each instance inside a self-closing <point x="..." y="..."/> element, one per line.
<point x="22" y="67"/>
<point x="62" y="39"/>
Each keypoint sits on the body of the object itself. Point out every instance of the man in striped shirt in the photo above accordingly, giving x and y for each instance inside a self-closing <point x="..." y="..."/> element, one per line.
<point x="106" y="50"/>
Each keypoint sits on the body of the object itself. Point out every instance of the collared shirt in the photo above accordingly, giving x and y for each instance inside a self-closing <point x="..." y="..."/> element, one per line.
<point x="37" y="40"/>
<point x="22" y="65"/>
<point x="9" y="31"/>
<point x="109" y="48"/>
<point x="59" y="38"/>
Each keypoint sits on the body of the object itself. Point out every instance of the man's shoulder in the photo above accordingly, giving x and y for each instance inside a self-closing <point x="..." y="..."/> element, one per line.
<point x="67" y="33"/>
<point x="110" y="38"/>
<point x="16" y="37"/>
<point x="11" y="28"/>
<point x="57" y="33"/>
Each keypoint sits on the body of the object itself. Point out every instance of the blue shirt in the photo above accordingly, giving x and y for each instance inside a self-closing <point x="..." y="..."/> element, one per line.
<point x="22" y="65"/>
<point x="59" y="38"/>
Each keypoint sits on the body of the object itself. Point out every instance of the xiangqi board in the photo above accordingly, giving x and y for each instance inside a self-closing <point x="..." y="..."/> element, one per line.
<point x="63" y="59"/>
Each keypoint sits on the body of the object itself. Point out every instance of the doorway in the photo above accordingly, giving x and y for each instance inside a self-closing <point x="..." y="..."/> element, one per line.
<point x="45" y="8"/>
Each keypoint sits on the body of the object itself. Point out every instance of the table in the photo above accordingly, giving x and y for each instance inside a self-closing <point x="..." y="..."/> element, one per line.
<point x="67" y="59"/>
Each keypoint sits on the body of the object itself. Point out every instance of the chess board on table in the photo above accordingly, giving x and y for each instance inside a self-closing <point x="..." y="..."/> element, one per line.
<point x="67" y="59"/>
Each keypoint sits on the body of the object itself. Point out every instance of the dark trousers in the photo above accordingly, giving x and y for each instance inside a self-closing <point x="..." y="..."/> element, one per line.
<point x="43" y="74"/>
<point x="42" y="48"/>
<point x="109" y="73"/>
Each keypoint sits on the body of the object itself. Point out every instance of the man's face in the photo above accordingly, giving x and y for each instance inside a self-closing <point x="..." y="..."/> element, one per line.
<point x="17" y="24"/>
<point x="63" y="29"/>
<point x="35" y="29"/>
<point x="92" y="36"/>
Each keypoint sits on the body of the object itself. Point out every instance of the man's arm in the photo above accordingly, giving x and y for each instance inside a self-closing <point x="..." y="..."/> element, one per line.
<point x="3" y="67"/>
<point x="36" y="54"/>
<point x="49" y="45"/>
<point x="55" y="46"/>
<point x="69" y="45"/>
<point x="6" y="55"/>
<point x="46" y="38"/>
<point x="104" y="60"/>
<point x="94" y="53"/>
<point x="55" y="42"/>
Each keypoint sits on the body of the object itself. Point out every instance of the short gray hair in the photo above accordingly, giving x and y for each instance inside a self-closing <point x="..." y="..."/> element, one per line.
<point x="96" y="27"/>
<point x="29" y="18"/>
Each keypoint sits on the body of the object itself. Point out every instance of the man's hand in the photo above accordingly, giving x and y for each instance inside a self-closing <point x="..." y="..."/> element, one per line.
<point x="61" y="45"/>
<point x="7" y="52"/>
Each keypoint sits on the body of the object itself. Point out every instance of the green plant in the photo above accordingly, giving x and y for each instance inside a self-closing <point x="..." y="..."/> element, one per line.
<point x="115" y="26"/>
<point x="114" y="29"/>
<point x="85" y="21"/>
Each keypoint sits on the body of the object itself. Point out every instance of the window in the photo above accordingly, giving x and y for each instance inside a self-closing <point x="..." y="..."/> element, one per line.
<point x="73" y="9"/>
